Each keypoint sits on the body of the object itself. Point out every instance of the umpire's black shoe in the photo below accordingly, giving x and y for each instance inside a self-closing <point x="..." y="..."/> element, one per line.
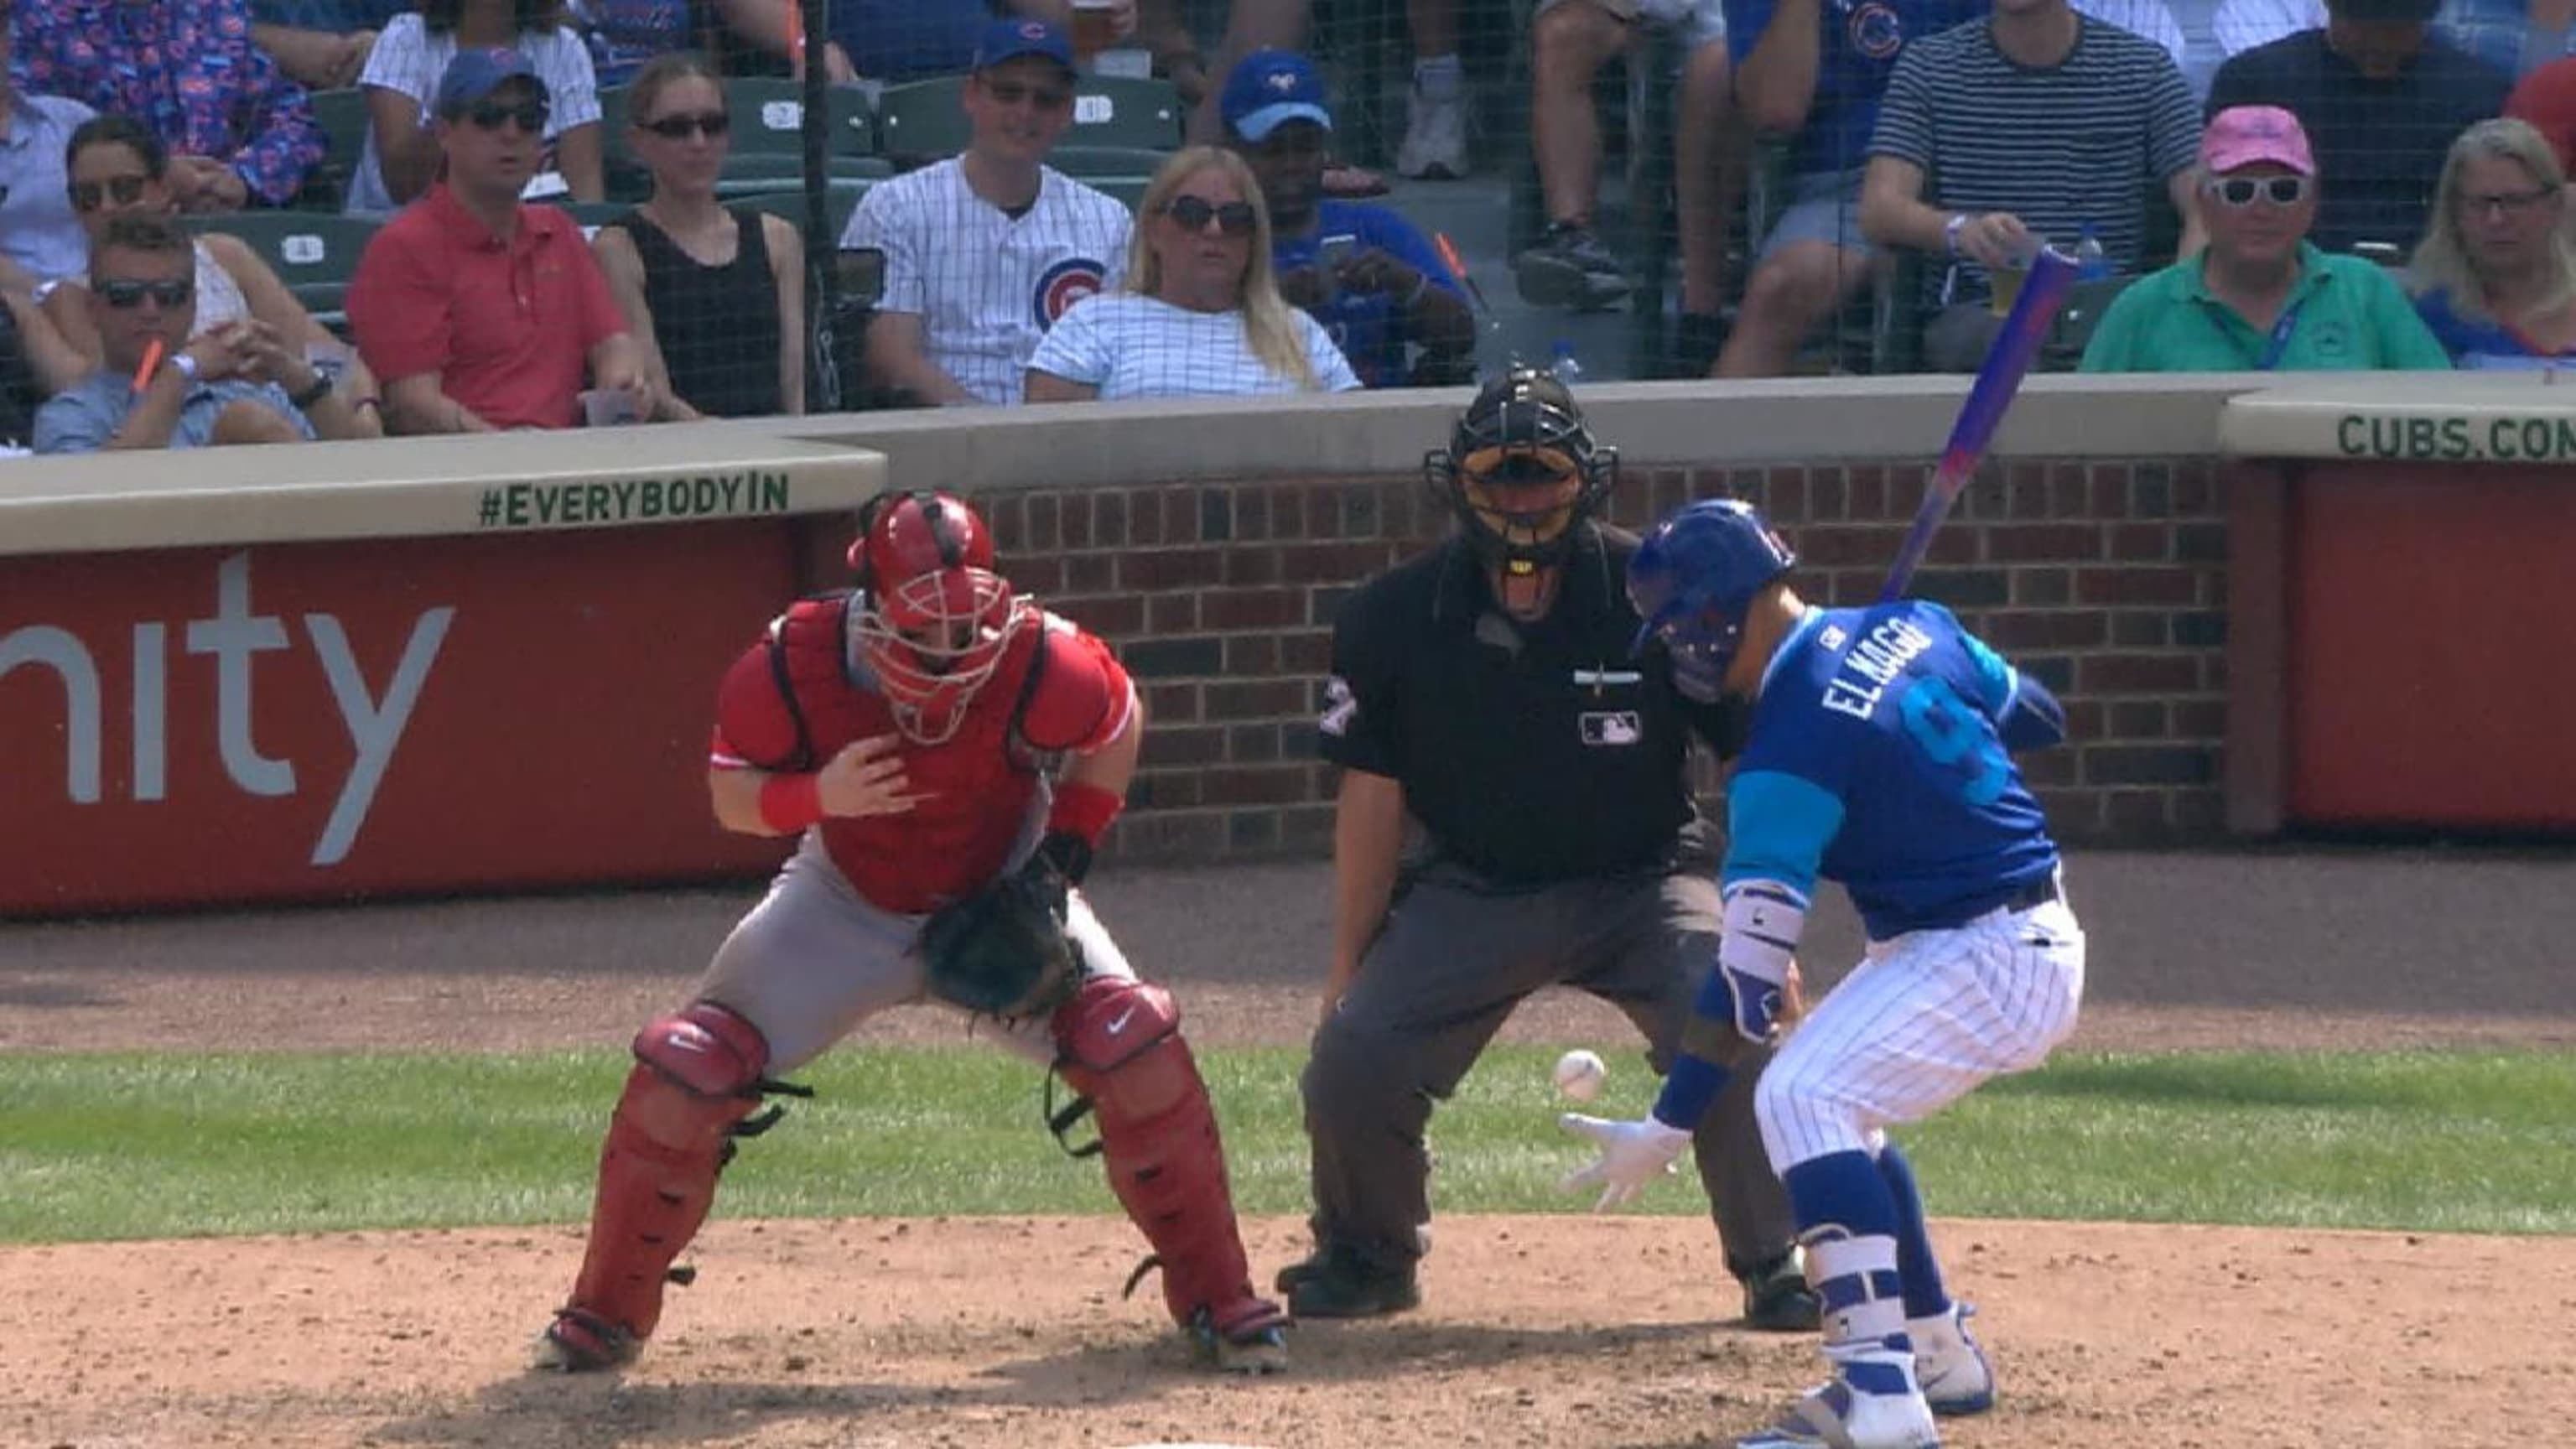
<point x="1777" y="1298"/>
<point x="1333" y="1285"/>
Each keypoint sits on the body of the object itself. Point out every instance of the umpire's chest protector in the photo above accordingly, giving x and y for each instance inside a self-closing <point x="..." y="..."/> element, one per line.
<point x="978" y="786"/>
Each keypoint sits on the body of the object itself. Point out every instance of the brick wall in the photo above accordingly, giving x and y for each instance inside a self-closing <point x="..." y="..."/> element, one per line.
<point x="2106" y="580"/>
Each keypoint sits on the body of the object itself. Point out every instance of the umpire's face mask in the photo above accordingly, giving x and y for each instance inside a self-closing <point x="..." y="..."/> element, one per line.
<point x="1521" y="501"/>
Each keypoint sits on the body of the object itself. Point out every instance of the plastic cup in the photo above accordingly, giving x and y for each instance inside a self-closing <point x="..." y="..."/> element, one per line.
<point x="607" y="407"/>
<point x="2006" y="283"/>
<point x="1095" y="28"/>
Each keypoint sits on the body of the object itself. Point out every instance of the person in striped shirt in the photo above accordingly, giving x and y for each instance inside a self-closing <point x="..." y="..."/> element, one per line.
<point x="2023" y="130"/>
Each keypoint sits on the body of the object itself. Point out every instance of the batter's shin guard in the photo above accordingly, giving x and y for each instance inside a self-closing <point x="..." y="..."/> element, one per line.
<point x="1118" y="1044"/>
<point x="697" y="1076"/>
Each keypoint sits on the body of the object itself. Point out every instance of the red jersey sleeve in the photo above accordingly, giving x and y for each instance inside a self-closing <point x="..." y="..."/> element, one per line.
<point x="755" y="730"/>
<point x="1083" y="698"/>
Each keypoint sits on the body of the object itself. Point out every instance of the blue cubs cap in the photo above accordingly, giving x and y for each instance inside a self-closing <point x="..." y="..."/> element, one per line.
<point x="475" y="74"/>
<point x="1270" y="88"/>
<point x="1010" y="39"/>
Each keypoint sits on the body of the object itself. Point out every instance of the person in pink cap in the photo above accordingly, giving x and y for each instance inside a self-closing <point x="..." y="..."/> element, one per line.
<point x="2261" y="297"/>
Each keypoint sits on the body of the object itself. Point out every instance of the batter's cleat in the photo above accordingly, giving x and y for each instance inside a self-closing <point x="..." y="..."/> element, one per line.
<point x="1952" y="1367"/>
<point x="1871" y="1402"/>
<point x="1260" y="1348"/>
<point x="1337" y="1285"/>
<point x="581" y="1342"/>
<point x="1777" y="1298"/>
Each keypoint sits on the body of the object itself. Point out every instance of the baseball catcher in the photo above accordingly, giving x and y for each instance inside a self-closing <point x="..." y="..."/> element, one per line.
<point x="949" y="755"/>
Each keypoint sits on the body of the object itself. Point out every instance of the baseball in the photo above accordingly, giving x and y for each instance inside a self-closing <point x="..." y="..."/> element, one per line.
<point x="1579" y="1074"/>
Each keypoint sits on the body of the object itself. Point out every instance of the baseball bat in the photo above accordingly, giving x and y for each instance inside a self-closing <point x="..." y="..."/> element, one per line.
<point x="1999" y="377"/>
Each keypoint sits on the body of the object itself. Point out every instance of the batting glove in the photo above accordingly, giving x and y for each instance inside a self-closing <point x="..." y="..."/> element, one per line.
<point x="1757" y="1004"/>
<point x="1632" y="1153"/>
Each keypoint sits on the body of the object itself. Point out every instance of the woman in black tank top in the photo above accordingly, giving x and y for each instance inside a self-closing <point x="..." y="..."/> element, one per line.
<point x="718" y="296"/>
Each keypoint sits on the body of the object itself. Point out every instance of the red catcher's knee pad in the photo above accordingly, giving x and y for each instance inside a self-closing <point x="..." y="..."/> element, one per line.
<point x="1118" y="1043"/>
<point x="696" y="1074"/>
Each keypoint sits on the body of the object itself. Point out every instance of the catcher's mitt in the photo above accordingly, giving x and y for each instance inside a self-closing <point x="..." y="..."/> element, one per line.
<point x="1003" y="951"/>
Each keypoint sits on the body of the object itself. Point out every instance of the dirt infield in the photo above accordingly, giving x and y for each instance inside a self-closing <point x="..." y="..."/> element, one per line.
<point x="1535" y="1331"/>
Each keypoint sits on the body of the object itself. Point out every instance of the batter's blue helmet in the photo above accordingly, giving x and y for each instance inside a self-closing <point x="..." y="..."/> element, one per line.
<point x="1695" y="576"/>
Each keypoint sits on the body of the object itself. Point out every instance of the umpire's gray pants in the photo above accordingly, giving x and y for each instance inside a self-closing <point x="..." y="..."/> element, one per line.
<point x="1453" y="960"/>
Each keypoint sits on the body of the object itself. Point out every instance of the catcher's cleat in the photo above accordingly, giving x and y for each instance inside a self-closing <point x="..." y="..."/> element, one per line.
<point x="1871" y="1402"/>
<point x="1777" y="1298"/>
<point x="1951" y="1366"/>
<point x="1259" y="1347"/>
<point x="580" y="1342"/>
<point x="1337" y="1285"/>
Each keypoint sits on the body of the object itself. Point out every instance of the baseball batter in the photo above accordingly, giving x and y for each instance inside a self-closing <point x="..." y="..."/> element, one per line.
<point x="1878" y="756"/>
<point x="933" y="739"/>
<point x="983" y="252"/>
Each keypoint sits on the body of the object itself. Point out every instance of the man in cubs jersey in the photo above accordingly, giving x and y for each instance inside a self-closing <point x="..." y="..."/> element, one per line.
<point x="1879" y="757"/>
<point x="985" y="250"/>
<point x="923" y="735"/>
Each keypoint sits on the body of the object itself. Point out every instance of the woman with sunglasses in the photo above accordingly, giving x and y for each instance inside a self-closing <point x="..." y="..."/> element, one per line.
<point x="2261" y="297"/>
<point x="731" y="286"/>
<point x="1199" y="314"/>
<point x="119" y="168"/>
<point x="2495" y="275"/>
<point x="401" y="156"/>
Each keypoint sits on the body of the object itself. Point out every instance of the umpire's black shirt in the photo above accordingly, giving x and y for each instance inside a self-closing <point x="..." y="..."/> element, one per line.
<point x="1531" y="752"/>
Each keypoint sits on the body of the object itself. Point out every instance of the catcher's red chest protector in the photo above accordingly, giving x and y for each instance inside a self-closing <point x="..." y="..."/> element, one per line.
<point x="978" y="787"/>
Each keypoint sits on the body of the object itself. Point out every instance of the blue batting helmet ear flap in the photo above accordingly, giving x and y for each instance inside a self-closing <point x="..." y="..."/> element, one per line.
<point x="1696" y="575"/>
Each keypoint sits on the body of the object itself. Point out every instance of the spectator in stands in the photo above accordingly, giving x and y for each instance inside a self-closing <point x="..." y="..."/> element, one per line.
<point x="986" y="250"/>
<point x="2495" y="275"/>
<point x="1375" y="283"/>
<point x="239" y="133"/>
<point x="728" y="288"/>
<point x="479" y="311"/>
<point x="116" y="170"/>
<point x="36" y="360"/>
<point x="163" y="383"/>
<point x="2515" y="36"/>
<point x="37" y="229"/>
<point x="1959" y="116"/>
<point x="1571" y="40"/>
<point x="401" y="156"/>
<point x="2546" y="99"/>
<point x="624" y="36"/>
<point x="322" y="45"/>
<point x="2260" y="296"/>
<point x="894" y="40"/>
<point x="2381" y="96"/>
<point x="1814" y="73"/>
<point x="1199" y="315"/>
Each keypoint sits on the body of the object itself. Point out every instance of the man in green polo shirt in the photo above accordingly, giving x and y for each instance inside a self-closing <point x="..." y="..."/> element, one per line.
<point x="2261" y="297"/>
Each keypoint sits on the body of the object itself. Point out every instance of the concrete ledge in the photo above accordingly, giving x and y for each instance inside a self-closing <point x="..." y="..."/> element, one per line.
<point x="2476" y="417"/>
<point x="415" y="488"/>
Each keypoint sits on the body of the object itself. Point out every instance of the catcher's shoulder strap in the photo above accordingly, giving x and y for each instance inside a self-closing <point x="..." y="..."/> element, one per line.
<point x="808" y="646"/>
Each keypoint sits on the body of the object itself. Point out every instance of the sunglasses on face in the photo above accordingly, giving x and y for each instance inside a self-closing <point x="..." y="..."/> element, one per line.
<point x="492" y="116"/>
<point x="710" y="124"/>
<point x="2505" y="203"/>
<point x="91" y="195"/>
<point x="2241" y="190"/>
<point x="126" y="294"/>
<point x="1194" y="213"/>
<point x="1044" y="98"/>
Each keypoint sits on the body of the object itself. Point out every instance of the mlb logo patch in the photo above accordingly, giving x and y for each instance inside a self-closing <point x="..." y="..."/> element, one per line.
<point x="1611" y="727"/>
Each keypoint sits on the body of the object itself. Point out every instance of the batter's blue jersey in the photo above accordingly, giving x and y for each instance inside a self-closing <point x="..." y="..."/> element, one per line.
<point x="1878" y="758"/>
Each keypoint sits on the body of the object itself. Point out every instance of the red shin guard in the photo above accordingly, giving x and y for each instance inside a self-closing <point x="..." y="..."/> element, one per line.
<point x="695" y="1076"/>
<point x="1118" y="1043"/>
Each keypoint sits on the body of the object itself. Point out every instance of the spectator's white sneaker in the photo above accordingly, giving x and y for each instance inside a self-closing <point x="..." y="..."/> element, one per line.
<point x="1435" y="138"/>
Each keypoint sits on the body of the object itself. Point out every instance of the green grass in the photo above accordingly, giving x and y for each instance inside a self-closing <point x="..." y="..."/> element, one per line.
<point x="131" y="1146"/>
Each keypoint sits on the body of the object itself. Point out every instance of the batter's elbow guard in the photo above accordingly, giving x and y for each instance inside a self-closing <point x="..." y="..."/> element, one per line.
<point x="2034" y="720"/>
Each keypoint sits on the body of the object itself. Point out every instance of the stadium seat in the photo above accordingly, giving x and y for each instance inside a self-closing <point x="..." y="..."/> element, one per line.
<point x="924" y="121"/>
<point x="768" y="137"/>
<point x="342" y="115"/>
<point x="841" y="199"/>
<point x="313" y="253"/>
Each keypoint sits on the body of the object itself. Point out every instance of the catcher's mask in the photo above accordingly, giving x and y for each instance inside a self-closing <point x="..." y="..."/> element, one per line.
<point x="935" y="619"/>
<point x="1694" y="578"/>
<point x="1521" y="470"/>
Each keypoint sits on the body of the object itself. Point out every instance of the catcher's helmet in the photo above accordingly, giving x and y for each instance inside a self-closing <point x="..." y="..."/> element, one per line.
<point x="1693" y="578"/>
<point x="934" y="619"/>
<point x="1520" y="435"/>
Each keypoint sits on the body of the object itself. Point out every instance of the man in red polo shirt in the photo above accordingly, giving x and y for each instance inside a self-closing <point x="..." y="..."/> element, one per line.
<point x="480" y="314"/>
